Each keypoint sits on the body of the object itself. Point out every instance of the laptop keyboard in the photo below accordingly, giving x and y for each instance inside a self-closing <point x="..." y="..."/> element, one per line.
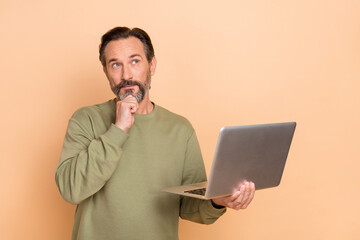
<point x="200" y="191"/>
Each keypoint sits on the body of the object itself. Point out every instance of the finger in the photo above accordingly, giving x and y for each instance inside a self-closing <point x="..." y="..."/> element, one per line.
<point x="134" y="105"/>
<point x="234" y="196"/>
<point x="131" y="103"/>
<point x="249" y="194"/>
<point x="232" y="203"/>
<point x="133" y="108"/>
<point x="125" y="105"/>
<point x="246" y="193"/>
<point x="237" y="208"/>
<point x="250" y="197"/>
<point x="242" y="193"/>
<point x="128" y="99"/>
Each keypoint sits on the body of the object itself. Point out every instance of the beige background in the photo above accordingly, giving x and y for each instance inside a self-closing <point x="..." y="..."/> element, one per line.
<point x="219" y="63"/>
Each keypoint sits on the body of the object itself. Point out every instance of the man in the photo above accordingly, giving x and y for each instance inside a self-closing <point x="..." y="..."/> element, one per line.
<point x="118" y="155"/>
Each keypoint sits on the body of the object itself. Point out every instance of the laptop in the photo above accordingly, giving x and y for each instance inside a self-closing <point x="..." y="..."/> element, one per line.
<point x="255" y="153"/>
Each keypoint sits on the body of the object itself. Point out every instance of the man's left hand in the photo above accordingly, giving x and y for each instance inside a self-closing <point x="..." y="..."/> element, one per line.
<point x="240" y="199"/>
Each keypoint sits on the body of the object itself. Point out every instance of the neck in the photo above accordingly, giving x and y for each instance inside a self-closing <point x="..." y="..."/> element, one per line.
<point x="145" y="106"/>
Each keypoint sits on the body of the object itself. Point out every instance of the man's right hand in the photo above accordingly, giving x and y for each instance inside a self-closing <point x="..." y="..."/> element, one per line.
<point x="125" y="110"/>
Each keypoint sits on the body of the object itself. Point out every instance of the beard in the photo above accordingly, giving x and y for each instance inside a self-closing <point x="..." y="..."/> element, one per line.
<point x="143" y="89"/>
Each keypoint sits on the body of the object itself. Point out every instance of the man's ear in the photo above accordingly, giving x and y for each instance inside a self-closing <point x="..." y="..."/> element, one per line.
<point x="153" y="65"/>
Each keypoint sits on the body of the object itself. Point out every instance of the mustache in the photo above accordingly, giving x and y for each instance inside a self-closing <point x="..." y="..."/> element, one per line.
<point x="116" y="89"/>
<point x="139" y="96"/>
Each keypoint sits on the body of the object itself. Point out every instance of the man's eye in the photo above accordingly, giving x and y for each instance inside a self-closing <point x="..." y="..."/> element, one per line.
<point x="115" y="65"/>
<point x="134" y="61"/>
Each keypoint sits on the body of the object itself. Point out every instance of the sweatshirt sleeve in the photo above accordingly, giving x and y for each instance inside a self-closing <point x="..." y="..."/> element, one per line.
<point x="87" y="163"/>
<point x="193" y="209"/>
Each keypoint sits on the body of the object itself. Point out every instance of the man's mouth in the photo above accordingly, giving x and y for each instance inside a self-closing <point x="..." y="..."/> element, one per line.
<point x="129" y="87"/>
<point x="132" y="89"/>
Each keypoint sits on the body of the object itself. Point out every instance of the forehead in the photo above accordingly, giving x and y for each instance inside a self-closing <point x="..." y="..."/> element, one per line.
<point x="124" y="48"/>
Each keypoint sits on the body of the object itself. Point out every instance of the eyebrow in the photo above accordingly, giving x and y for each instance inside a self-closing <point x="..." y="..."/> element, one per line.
<point x="131" y="56"/>
<point x="135" y="55"/>
<point x="112" y="60"/>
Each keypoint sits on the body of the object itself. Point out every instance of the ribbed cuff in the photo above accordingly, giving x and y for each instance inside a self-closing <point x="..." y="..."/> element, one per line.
<point x="214" y="209"/>
<point x="116" y="135"/>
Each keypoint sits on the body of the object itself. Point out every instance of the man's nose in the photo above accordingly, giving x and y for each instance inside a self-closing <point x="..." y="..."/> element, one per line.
<point x="127" y="73"/>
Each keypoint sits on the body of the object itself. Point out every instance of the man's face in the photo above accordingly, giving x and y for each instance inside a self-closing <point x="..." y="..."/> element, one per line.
<point x="127" y="68"/>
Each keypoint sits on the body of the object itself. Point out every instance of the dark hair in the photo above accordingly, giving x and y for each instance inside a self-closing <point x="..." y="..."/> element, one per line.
<point x="122" y="33"/>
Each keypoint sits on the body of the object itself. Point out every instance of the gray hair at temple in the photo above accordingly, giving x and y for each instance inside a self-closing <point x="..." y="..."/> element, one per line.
<point x="123" y="33"/>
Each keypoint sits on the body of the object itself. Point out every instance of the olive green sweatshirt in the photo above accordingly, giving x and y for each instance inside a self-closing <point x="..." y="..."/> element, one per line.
<point x="115" y="178"/>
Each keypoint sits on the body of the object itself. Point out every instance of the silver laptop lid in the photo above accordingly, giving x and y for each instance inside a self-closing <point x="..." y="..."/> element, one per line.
<point x="254" y="152"/>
